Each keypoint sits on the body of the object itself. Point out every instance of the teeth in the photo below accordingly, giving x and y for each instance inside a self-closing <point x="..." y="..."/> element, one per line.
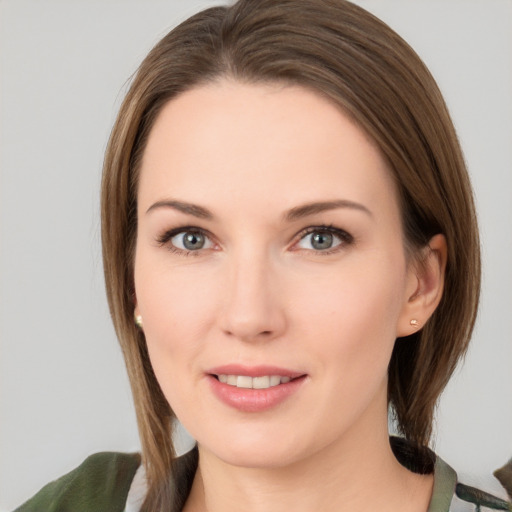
<point x="244" y="381"/>
<point x="275" y="380"/>
<point x="260" y="382"/>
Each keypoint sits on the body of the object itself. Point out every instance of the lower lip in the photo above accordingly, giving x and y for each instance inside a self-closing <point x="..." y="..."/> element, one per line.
<point x="254" y="400"/>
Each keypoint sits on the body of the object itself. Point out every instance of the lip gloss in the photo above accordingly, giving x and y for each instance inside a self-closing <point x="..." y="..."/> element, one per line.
<point x="254" y="400"/>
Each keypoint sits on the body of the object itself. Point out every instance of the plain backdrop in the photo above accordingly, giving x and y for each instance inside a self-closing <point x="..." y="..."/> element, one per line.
<point x="64" y="66"/>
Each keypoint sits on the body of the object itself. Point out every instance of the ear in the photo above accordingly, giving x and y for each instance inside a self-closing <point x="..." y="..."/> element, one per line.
<point x="424" y="288"/>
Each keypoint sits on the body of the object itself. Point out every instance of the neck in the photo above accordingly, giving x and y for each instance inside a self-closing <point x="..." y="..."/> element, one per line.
<point x="357" y="472"/>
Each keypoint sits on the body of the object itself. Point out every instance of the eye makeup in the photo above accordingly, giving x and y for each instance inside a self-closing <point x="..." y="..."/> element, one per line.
<point x="193" y="241"/>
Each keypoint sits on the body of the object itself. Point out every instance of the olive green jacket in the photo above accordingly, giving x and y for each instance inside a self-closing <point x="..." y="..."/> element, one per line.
<point x="101" y="483"/>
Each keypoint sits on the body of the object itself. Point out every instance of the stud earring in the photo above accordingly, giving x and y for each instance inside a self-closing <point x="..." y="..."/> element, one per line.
<point x="414" y="322"/>
<point x="138" y="321"/>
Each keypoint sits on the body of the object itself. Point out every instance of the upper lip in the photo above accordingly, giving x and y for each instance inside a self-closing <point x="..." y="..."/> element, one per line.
<point x="254" y="371"/>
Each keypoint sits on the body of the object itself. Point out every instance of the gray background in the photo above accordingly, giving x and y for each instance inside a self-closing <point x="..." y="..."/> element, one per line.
<point x="63" y="70"/>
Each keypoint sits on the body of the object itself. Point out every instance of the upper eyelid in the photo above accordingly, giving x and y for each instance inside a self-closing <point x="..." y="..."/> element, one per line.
<point x="170" y="233"/>
<point x="330" y="228"/>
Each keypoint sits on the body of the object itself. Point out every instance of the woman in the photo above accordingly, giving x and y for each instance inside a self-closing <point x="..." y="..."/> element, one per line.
<point x="288" y="219"/>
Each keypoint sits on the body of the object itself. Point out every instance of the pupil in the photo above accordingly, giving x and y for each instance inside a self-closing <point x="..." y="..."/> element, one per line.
<point x="321" y="240"/>
<point x="193" y="241"/>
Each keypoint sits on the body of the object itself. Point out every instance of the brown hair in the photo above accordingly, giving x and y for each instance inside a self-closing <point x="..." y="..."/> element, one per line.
<point x="346" y="54"/>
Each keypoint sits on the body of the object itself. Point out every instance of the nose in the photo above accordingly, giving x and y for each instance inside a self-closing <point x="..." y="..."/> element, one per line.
<point x="253" y="306"/>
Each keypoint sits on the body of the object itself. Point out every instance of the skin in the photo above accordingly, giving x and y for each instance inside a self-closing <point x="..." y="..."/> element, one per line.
<point x="260" y="292"/>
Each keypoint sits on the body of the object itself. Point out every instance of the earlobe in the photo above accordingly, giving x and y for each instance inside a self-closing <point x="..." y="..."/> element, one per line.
<point x="424" y="288"/>
<point x="137" y="317"/>
<point x="138" y="320"/>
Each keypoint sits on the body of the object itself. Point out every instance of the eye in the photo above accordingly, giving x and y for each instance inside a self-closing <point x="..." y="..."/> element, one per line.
<point x="191" y="241"/>
<point x="186" y="240"/>
<point x="323" y="239"/>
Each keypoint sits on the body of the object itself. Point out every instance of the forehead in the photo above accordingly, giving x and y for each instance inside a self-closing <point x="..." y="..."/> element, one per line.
<point x="231" y="142"/>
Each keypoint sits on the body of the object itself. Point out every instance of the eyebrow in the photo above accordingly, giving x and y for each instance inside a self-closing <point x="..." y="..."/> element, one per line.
<point x="188" y="208"/>
<point x="294" y="214"/>
<point x="305" y="210"/>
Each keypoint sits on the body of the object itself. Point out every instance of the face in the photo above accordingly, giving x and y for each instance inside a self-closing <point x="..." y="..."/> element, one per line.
<point x="270" y="271"/>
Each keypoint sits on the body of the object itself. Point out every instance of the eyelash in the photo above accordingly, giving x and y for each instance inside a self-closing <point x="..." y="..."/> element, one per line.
<point x="165" y="239"/>
<point x="344" y="237"/>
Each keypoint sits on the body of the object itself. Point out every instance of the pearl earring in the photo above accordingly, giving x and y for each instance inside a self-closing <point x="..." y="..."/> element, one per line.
<point x="414" y="322"/>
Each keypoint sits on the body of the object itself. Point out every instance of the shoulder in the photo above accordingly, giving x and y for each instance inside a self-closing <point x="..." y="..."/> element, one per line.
<point x="451" y="494"/>
<point x="100" y="483"/>
<point x="478" y="499"/>
<point x="448" y="493"/>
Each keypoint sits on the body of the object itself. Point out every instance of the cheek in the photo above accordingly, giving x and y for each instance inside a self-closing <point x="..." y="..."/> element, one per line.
<point x="350" y="329"/>
<point x="353" y="314"/>
<point x="174" y="300"/>
<point x="178" y="310"/>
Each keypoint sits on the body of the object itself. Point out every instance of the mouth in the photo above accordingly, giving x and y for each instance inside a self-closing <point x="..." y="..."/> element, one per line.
<point x="254" y="389"/>
<point x="247" y="382"/>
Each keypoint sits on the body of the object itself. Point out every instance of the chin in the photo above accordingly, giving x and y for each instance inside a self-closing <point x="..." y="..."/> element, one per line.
<point x="265" y="450"/>
<point x="256" y="458"/>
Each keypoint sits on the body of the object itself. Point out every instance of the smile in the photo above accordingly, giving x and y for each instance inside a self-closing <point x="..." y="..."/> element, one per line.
<point x="254" y="389"/>
<point x="247" y="382"/>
